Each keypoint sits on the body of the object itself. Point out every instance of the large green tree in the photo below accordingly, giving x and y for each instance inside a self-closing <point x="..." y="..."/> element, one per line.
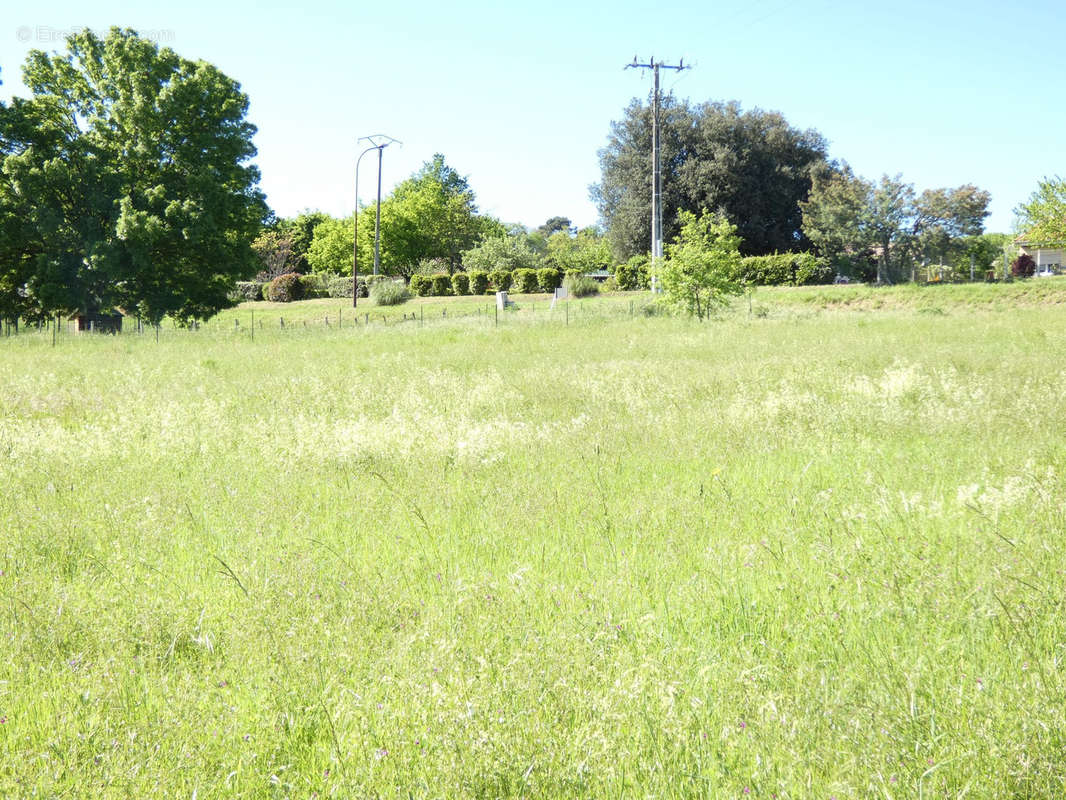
<point x="432" y="214"/>
<point x="849" y="217"/>
<point x="300" y="230"/>
<point x="126" y="182"/>
<point x="751" y="166"/>
<point x="331" y="247"/>
<point x="1042" y="218"/>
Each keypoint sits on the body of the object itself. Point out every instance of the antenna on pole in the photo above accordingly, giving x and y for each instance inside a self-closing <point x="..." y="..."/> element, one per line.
<point x="656" y="172"/>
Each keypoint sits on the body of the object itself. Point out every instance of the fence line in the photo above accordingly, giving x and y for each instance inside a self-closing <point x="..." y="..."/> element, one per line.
<point x="248" y="324"/>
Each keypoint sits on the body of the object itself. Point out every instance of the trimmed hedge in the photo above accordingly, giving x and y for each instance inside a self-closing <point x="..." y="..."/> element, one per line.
<point x="422" y="285"/>
<point x="549" y="279"/>
<point x="501" y="279"/>
<point x="316" y="284"/>
<point x="287" y="288"/>
<point x="784" y="269"/>
<point x="525" y="281"/>
<point x="342" y="287"/>
<point x="248" y="290"/>
<point x="441" y="283"/>
<point x="460" y="283"/>
<point x="479" y="282"/>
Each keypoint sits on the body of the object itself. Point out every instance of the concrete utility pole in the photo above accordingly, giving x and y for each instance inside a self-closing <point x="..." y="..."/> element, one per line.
<point x="656" y="169"/>
<point x="377" y="142"/>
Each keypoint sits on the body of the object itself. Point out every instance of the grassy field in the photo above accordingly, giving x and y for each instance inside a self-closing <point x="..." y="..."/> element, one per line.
<point x="810" y="550"/>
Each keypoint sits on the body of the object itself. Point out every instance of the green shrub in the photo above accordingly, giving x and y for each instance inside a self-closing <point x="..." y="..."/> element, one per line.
<point x="415" y="284"/>
<point x="389" y="293"/>
<point x="784" y="269"/>
<point x="581" y="286"/>
<point x="525" y="281"/>
<point x="287" y="288"/>
<point x="501" y="279"/>
<point x="372" y="279"/>
<point x="248" y="290"/>
<point x="342" y="287"/>
<point x="316" y="284"/>
<point x="633" y="275"/>
<point x="479" y="282"/>
<point x="424" y="286"/>
<point x="441" y="284"/>
<point x="264" y="290"/>
<point x="549" y="279"/>
<point x="461" y="283"/>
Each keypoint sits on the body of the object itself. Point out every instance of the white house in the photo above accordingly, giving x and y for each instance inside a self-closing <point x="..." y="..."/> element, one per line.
<point x="1048" y="257"/>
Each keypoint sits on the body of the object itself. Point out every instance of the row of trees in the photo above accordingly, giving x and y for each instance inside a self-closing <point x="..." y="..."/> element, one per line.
<point x="429" y="224"/>
<point x="777" y="186"/>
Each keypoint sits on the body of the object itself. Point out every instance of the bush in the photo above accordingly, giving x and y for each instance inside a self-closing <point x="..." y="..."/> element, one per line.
<point x="389" y="293"/>
<point x="264" y="290"/>
<point x="423" y="286"/>
<point x="525" y="281"/>
<point x="441" y="284"/>
<point x="372" y="279"/>
<point x="784" y="269"/>
<point x="581" y="286"/>
<point x="633" y="274"/>
<point x="549" y="279"/>
<point x="248" y="290"/>
<point x="287" y="288"/>
<point x="317" y="284"/>
<point x="501" y="279"/>
<point x="461" y="283"/>
<point x="342" y="287"/>
<point x="1023" y="266"/>
<point x="479" y="282"/>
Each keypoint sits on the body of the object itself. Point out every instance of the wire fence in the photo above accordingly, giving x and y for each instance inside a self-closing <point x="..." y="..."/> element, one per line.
<point x="250" y="322"/>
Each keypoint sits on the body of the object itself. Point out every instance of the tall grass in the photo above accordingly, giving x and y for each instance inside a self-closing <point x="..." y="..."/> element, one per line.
<point x="801" y="555"/>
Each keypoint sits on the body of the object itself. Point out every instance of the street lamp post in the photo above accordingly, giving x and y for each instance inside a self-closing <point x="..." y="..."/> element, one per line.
<point x="376" y="143"/>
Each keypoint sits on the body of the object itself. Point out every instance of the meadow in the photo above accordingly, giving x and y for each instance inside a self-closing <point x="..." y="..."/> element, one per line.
<point x="810" y="549"/>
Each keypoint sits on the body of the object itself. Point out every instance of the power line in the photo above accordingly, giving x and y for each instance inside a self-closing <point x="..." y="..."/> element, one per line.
<point x="656" y="172"/>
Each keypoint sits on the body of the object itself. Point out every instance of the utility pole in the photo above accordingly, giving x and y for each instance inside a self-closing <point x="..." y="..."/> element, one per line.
<point x="377" y="142"/>
<point x="656" y="168"/>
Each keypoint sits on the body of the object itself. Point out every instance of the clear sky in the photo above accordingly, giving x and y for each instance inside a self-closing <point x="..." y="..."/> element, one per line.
<point x="519" y="98"/>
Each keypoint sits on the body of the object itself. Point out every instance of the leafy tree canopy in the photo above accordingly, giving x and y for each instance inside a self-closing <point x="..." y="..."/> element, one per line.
<point x="847" y="215"/>
<point x="555" y="225"/>
<point x="587" y="251"/>
<point x="432" y="214"/>
<point x="300" y="230"/>
<point x="1042" y="218"/>
<point x="752" y="166"/>
<point x="698" y="272"/>
<point x="502" y="252"/>
<point x="331" y="247"/>
<point x="126" y="182"/>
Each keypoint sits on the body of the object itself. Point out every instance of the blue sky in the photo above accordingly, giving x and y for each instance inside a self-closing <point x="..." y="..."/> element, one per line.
<point x="520" y="98"/>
